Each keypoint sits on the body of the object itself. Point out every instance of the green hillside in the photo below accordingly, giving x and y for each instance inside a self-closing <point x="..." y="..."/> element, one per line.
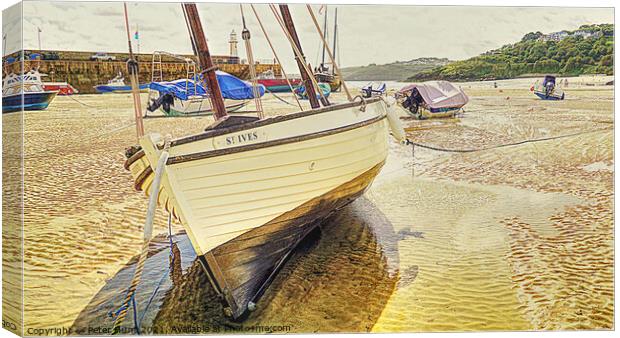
<point x="396" y="71"/>
<point x="575" y="53"/>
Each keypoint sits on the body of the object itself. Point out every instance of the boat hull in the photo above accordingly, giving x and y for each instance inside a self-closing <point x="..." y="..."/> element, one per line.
<point x="249" y="262"/>
<point x="324" y="87"/>
<point x="335" y="85"/>
<point x="245" y="207"/>
<point x="31" y="101"/>
<point x="61" y="88"/>
<point x="279" y="85"/>
<point x="440" y="112"/>
<point x="103" y="89"/>
<point x="552" y="97"/>
<point x="200" y="106"/>
<point x="333" y="80"/>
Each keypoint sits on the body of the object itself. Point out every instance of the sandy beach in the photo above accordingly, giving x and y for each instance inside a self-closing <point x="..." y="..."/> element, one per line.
<point x="511" y="238"/>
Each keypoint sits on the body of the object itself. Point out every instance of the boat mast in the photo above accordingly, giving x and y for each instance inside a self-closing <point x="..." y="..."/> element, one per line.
<point x="290" y="27"/>
<point x="132" y="68"/>
<point x="201" y="49"/>
<point x="324" y="37"/>
<point x="335" y="36"/>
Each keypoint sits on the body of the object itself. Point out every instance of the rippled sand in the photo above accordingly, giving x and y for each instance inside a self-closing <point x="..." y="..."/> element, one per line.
<point x="508" y="239"/>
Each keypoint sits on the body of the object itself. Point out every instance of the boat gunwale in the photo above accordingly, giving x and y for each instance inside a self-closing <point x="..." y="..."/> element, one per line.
<point x="227" y="151"/>
<point x="258" y="123"/>
<point x="143" y="175"/>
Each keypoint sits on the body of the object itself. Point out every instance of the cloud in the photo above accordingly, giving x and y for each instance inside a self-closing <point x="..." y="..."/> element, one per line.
<point x="368" y="33"/>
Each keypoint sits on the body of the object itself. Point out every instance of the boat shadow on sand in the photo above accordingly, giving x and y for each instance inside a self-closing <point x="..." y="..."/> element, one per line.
<point x="338" y="280"/>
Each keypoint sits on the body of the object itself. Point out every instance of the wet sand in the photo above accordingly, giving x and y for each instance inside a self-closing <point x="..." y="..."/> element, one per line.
<point x="515" y="238"/>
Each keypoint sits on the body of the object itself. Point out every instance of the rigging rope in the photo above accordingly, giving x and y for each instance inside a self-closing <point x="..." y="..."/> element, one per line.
<point x="245" y="35"/>
<point x="329" y="53"/>
<point x="132" y="67"/>
<point x="277" y="97"/>
<point x="273" y="50"/>
<point x="80" y="102"/>
<point x="297" y="52"/>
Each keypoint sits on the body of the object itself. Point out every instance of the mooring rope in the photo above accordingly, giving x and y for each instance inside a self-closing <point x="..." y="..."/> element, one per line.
<point x="436" y="148"/>
<point x="148" y="232"/>
<point x="80" y="102"/>
<point x="245" y="35"/>
<point x="279" y="98"/>
<point x="162" y="279"/>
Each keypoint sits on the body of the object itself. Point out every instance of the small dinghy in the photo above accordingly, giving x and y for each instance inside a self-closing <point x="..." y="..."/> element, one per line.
<point x="548" y="89"/>
<point x="369" y="91"/>
<point x="432" y="99"/>
<point x="189" y="97"/>
<point x="301" y="91"/>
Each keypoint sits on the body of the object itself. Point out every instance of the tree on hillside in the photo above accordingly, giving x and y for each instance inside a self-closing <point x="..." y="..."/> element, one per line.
<point x="572" y="55"/>
<point x="531" y="36"/>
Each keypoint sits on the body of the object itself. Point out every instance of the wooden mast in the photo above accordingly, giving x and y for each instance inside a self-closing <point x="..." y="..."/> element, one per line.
<point x="335" y="37"/>
<point x="324" y="37"/>
<point x="132" y="68"/>
<point x="204" y="57"/>
<point x="290" y="26"/>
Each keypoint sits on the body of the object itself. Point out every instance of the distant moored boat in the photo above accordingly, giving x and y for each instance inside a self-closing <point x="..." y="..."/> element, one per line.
<point x="277" y="84"/>
<point x="117" y="85"/>
<point x="548" y="89"/>
<point x="63" y="88"/>
<point x="25" y="92"/>
<point x="432" y="99"/>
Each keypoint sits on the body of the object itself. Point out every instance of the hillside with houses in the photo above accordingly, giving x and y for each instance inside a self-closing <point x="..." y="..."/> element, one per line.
<point x="587" y="50"/>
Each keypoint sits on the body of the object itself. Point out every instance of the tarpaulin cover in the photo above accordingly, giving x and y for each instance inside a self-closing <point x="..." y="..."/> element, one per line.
<point x="438" y="94"/>
<point x="232" y="87"/>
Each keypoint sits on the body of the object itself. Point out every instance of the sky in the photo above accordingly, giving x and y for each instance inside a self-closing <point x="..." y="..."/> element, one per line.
<point x="367" y="33"/>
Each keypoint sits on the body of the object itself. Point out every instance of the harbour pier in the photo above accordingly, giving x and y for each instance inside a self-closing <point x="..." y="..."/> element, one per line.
<point x="83" y="71"/>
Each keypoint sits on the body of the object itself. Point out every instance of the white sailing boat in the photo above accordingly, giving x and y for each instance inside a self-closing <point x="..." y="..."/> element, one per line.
<point x="248" y="190"/>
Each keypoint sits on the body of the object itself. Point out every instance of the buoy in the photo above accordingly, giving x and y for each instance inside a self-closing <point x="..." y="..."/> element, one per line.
<point x="394" y="121"/>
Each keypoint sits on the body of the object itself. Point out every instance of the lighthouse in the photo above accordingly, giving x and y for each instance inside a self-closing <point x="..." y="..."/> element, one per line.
<point x="233" y="43"/>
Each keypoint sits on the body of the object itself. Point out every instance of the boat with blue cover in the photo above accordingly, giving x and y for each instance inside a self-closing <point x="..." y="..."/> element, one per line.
<point x="25" y="92"/>
<point x="189" y="96"/>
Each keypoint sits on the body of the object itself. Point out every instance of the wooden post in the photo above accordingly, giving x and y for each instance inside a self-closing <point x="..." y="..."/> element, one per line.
<point x="290" y="26"/>
<point x="204" y="57"/>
